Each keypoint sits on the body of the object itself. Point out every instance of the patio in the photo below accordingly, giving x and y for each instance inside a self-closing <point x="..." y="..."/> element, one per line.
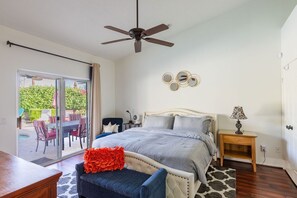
<point x="27" y="145"/>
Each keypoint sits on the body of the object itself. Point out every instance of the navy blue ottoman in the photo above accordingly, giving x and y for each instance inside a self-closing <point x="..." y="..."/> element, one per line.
<point x="120" y="184"/>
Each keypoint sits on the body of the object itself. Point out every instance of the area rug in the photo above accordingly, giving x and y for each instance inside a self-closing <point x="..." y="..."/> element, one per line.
<point x="221" y="184"/>
<point x="41" y="161"/>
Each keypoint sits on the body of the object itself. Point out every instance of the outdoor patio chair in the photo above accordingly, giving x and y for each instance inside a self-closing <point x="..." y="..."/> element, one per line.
<point x="74" y="117"/>
<point x="52" y="119"/>
<point x="81" y="132"/>
<point x="43" y="134"/>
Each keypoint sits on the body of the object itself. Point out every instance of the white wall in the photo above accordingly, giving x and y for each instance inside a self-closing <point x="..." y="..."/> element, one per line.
<point x="236" y="56"/>
<point x="15" y="58"/>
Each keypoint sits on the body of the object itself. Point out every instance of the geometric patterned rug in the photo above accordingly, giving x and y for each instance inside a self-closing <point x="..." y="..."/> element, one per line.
<point x="221" y="184"/>
<point x="67" y="186"/>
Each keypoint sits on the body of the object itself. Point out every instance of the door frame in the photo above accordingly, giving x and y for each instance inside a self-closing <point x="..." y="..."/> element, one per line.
<point x="60" y="111"/>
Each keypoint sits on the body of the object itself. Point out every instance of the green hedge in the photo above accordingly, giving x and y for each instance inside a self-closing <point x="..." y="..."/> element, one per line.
<point x="75" y="99"/>
<point x="35" y="98"/>
<point x="35" y="114"/>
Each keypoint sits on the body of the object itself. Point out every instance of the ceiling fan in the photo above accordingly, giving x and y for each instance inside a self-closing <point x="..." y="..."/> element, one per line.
<point x="140" y="33"/>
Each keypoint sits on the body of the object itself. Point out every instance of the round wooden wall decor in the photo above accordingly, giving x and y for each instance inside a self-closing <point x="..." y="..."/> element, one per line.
<point x="193" y="80"/>
<point x="167" y="78"/>
<point x="174" y="86"/>
<point x="182" y="78"/>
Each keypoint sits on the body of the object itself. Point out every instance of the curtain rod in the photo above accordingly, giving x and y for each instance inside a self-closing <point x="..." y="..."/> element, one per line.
<point x="30" y="48"/>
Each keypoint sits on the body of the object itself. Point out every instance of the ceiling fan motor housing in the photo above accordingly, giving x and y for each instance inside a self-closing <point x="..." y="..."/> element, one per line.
<point x="136" y="33"/>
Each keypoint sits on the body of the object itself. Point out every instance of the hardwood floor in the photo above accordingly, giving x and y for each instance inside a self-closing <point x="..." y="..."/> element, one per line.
<point x="68" y="165"/>
<point x="267" y="182"/>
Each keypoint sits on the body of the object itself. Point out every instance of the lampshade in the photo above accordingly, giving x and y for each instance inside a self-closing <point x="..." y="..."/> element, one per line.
<point x="238" y="113"/>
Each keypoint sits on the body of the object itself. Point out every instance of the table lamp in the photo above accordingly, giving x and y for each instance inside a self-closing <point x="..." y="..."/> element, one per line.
<point x="239" y="115"/>
<point x="130" y="121"/>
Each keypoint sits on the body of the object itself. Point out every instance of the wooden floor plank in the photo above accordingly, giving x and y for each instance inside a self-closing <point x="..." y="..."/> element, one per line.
<point x="267" y="182"/>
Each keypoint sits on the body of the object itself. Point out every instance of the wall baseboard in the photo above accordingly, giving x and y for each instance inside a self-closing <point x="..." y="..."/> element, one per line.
<point x="293" y="175"/>
<point x="291" y="172"/>
<point x="272" y="162"/>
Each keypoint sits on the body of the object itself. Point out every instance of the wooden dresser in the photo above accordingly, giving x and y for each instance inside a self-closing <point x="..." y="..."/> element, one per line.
<point x="20" y="178"/>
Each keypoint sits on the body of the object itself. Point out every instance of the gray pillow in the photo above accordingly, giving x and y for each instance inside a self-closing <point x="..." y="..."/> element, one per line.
<point x="158" y="122"/>
<point x="192" y="124"/>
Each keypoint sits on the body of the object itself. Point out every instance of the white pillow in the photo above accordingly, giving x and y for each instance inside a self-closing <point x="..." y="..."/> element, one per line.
<point x="111" y="128"/>
<point x="115" y="128"/>
<point x="158" y="122"/>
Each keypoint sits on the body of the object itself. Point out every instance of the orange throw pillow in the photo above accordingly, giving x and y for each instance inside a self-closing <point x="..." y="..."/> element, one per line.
<point x="104" y="159"/>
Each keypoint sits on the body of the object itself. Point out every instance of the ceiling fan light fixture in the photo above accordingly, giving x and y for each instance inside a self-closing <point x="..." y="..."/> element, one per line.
<point x="140" y="33"/>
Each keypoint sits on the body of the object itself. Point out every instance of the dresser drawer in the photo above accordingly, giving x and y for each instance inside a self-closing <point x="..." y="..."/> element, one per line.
<point x="237" y="140"/>
<point x="39" y="192"/>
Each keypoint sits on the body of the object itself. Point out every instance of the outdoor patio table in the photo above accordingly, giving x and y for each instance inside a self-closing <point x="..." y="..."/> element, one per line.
<point x="67" y="127"/>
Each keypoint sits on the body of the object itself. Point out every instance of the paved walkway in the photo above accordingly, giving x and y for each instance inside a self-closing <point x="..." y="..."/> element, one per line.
<point x="27" y="145"/>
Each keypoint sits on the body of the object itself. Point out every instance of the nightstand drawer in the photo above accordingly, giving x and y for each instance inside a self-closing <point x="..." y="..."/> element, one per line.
<point x="237" y="140"/>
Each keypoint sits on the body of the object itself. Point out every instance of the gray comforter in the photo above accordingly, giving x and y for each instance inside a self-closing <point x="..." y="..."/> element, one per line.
<point x="177" y="149"/>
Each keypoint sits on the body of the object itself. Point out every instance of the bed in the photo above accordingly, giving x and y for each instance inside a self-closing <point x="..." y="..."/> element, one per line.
<point x="184" y="154"/>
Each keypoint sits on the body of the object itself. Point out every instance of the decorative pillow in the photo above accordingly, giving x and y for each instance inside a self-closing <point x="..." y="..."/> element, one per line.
<point x="192" y="124"/>
<point x="111" y="128"/>
<point x="158" y="122"/>
<point x="104" y="159"/>
<point x="115" y="128"/>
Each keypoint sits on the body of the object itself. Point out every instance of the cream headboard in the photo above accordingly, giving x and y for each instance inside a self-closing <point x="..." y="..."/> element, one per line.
<point x="188" y="112"/>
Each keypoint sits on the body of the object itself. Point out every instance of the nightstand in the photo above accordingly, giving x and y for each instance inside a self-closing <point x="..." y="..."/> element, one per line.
<point x="130" y="125"/>
<point x="241" y="146"/>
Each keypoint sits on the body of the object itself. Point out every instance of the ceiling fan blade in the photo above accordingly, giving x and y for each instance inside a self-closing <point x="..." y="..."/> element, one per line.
<point x="114" y="41"/>
<point x="154" y="30"/>
<point x="117" y="30"/>
<point x="137" y="46"/>
<point x="160" y="42"/>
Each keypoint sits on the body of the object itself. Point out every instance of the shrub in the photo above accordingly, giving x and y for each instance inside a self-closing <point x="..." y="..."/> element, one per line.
<point x="35" y="114"/>
<point x="35" y="98"/>
<point x="75" y="99"/>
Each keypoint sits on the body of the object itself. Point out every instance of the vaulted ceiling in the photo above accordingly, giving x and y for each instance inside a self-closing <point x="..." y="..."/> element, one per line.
<point x="79" y="24"/>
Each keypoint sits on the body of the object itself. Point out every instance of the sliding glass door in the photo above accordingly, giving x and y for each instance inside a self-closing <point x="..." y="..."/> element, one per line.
<point x="53" y="117"/>
<point x="75" y="116"/>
